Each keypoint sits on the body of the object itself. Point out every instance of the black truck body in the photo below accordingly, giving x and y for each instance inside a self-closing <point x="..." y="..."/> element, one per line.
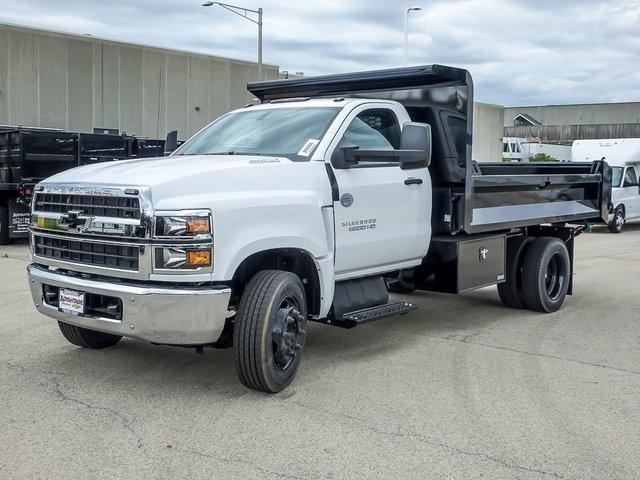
<point x="469" y="197"/>
<point x="476" y="206"/>
<point x="29" y="155"/>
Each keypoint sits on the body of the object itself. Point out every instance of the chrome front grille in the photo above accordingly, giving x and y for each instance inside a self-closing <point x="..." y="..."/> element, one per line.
<point x="90" y="205"/>
<point x="87" y="252"/>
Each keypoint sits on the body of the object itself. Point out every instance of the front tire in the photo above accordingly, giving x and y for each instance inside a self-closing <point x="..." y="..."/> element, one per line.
<point x="617" y="224"/>
<point x="546" y="274"/>
<point x="83" y="337"/>
<point x="269" y="332"/>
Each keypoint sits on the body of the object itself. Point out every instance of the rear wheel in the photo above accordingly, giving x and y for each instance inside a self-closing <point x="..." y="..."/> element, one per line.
<point x="83" y="337"/>
<point x="546" y="273"/>
<point x="4" y="225"/>
<point x="269" y="332"/>
<point x="617" y="224"/>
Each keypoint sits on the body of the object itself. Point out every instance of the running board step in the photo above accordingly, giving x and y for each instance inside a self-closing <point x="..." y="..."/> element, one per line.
<point x="366" y="315"/>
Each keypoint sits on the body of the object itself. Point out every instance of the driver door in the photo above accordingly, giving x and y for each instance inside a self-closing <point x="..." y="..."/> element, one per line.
<point x="383" y="216"/>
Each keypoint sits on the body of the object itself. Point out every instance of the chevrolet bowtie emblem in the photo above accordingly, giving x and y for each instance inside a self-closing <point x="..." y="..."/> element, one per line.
<point x="74" y="219"/>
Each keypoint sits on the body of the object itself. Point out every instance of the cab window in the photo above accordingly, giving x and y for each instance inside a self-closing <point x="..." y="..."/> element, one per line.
<point x="374" y="129"/>
<point x="616" y="178"/>
<point x="630" y="177"/>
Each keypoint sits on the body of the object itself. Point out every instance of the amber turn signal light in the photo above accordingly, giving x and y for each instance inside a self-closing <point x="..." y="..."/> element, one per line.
<point x="198" y="258"/>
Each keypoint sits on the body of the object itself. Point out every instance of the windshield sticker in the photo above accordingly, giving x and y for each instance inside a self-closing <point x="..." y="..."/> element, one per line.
<point x="308" y="147"/>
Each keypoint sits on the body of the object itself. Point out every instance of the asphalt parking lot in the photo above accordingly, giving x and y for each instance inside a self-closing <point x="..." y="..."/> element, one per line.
<point x="460" y="388"/>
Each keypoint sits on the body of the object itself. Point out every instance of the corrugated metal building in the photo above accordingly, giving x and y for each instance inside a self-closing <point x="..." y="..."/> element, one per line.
<point x="579" y="114"/>
<point x="76" y="82"/>
<point x="566" y="123"/>
<point x="487" y="132"/>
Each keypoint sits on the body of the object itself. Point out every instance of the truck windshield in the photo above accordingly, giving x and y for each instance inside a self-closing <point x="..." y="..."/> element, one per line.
<point x="616" y="176"/>
<point x="286" y="132"/>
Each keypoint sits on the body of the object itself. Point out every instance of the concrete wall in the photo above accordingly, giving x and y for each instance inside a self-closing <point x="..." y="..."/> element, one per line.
<point x="75" y="82"/>
<point x="603" y="113"/>
<point x="488" y="129"/>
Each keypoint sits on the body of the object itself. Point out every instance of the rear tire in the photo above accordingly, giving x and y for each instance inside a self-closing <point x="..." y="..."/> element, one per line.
<point x="4" y="225"/>
<point x="269" y="332"/>
<point x="546" y="274"/>
<point x="617" y="223"/>
<point x="510" y="292"/>
<point x="83" y="337"/>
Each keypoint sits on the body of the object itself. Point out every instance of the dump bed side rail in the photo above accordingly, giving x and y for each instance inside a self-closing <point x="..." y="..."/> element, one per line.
<point x="506" y="196"/>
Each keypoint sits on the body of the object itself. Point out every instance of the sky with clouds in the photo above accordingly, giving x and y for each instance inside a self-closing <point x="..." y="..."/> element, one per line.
<point x="520" y="52"/>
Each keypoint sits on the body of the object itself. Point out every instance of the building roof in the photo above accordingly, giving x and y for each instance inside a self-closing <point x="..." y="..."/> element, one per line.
<point x="527" y="118"/>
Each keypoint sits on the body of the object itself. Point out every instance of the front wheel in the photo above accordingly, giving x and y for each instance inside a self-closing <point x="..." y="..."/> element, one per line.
<point x="617" y="224"/>
<point x="546" y="274"/>
<point x="269" y="331"/>
<point x="83" y="337"/>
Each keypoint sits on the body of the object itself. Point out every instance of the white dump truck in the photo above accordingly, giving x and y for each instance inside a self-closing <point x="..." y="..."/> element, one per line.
<point x="310" y="206"/>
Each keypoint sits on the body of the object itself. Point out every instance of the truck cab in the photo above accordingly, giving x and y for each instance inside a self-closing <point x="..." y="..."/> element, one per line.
<point x="311" y="206"/>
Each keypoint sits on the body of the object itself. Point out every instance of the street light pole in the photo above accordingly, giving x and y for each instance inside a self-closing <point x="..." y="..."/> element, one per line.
<point x="260" y="44"/>
<point x="244" y="13"/>
<point x="406" y="31"/>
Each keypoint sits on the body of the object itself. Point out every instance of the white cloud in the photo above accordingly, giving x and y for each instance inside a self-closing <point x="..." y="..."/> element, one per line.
<point x="519" y="52"/>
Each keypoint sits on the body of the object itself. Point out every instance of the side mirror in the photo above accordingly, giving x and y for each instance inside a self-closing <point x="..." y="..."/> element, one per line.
<point x="171" y="142"/>
<point x="415" y="146"/>
<point x="343" y="156"/>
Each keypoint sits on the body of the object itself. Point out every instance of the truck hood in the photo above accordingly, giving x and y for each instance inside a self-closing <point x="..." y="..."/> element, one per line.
<point x="157" y="171"/>
<point x="175" y="181"/>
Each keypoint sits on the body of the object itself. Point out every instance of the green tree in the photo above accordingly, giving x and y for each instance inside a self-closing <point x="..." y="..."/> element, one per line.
<point x="542" y="157"/>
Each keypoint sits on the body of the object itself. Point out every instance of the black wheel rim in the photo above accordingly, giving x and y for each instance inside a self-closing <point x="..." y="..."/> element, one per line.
<point x="619" y="221"/>
<point x="555" y="276"/>
<point x="287" y="334"/>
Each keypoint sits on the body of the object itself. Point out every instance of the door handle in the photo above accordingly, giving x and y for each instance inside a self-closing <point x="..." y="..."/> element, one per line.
<point x="413" y="181"/>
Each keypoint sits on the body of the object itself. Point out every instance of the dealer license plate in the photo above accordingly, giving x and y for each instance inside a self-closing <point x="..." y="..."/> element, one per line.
<point x="71" y="301"/>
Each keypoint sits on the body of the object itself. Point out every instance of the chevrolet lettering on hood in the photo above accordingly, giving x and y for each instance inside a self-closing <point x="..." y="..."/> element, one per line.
<point x="82" y="190"/>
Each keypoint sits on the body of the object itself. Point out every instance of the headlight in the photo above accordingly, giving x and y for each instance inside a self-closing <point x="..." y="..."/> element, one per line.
<point x="188" y="225"/>
<point x="184" y="241"/>
<point x="188" y="258"/>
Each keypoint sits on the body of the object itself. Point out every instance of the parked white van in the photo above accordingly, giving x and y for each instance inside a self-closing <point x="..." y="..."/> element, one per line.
<point x="623" y="155"/>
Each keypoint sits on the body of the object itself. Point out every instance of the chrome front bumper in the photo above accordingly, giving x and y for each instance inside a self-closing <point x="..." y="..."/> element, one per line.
<point x="159" y="314"/>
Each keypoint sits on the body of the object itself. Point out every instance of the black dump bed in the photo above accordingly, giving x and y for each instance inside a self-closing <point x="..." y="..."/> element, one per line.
<point x="468" y="196"/>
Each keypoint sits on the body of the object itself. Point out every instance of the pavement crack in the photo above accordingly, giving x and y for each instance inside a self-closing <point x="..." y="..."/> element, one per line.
<point x="57" y="389"/>
<point x="467" y="339"/>
<point x="253" y="465"/>
<point x="430" y="441"/>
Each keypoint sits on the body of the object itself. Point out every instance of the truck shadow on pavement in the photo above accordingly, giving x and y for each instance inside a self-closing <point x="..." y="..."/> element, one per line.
<point x="157" y="368"/>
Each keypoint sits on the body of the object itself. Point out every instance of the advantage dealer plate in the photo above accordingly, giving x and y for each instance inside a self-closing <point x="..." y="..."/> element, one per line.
<point x="71" y="301"/>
